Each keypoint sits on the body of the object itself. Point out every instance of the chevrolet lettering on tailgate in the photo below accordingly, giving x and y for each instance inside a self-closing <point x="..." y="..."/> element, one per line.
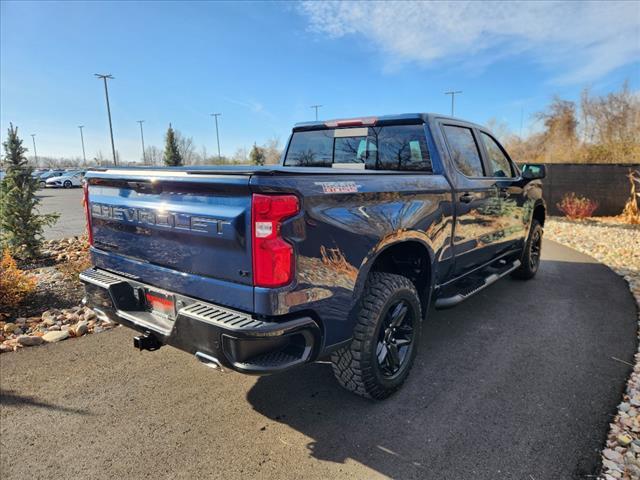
<point x="158" y="218"/>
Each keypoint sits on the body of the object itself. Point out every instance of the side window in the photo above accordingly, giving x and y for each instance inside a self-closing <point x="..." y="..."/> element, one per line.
<point x="464" y="150"/>
<point x="498" y="162"/>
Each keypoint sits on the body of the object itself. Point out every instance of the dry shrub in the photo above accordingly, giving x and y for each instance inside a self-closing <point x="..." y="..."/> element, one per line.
<point x="631" y="212"/>
<point x="575" y="207"/>
<point x="15" y="285"/>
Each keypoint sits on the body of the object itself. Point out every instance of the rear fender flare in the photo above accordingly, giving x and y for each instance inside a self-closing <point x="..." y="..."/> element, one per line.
<point x="387" y="242"/>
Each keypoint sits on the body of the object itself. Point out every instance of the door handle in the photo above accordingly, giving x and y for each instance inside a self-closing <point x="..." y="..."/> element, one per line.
<point x="467" y="197"/>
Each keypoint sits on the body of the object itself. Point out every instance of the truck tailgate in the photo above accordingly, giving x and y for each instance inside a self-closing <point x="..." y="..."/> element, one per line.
<point x="194" y="225"/>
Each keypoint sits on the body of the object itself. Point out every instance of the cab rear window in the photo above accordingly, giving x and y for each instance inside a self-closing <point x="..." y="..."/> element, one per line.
<point x="394" y="147"/>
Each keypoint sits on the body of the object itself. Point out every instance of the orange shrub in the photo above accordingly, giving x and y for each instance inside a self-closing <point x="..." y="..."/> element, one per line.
<point x="15" y="285"/>
<point x="575" y="207"/>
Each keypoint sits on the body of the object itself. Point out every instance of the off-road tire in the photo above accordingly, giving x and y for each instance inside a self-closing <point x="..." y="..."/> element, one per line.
<point x="355" y="366"/>
<point x="530" y="264"/>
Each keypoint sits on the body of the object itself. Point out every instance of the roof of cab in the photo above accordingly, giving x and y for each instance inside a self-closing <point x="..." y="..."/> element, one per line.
<point x="403" y="118"/>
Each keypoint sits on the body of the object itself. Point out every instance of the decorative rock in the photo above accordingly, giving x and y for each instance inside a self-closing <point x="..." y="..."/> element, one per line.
<point x="624" y="439"/>
<point x="29" y="341"/>
<point x="624" y="407"/>
<point x="608" y="453"/>
<point x="49" y="321"/>
<point x="18" y="331"/>
<point x="51" y="337"/>
<point x="81" y="328"/>
<point x="9" y="327"/>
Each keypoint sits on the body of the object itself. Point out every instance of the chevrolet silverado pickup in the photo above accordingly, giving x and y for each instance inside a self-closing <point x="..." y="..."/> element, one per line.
<point x="337" y="252"/>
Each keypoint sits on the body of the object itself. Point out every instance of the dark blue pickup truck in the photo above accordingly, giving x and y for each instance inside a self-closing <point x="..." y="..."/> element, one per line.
<point x="339" y="251"/>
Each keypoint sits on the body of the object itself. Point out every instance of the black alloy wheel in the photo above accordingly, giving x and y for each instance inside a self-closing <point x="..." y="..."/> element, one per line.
<point x="395" y="338"/>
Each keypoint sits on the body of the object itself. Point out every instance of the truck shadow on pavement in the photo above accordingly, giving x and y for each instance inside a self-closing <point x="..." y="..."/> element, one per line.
<point x="9" y="398"/>
<point x="517" y="382"/>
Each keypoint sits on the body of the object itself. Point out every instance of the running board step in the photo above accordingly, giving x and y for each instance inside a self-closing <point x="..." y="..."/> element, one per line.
<point x="466" y="292"/>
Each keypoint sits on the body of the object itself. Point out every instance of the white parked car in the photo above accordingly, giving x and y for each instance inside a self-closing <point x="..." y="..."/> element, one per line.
<point x="66" y="180"/>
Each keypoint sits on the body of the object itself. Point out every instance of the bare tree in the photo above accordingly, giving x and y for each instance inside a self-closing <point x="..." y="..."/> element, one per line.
<point x="186" y="147"/>
<point x="611" y="119"/>
<point x="153" y="155"/>
<point x="240" y="156"/>
<point x="272" y="151"/>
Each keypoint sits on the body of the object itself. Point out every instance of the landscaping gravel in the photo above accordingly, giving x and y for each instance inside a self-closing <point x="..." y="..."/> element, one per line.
<point x="617" y="245"/>
<point x="53" y="312"/>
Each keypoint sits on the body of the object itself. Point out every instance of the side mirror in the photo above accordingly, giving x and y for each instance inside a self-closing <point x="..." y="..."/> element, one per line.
<point x="532" y="171"/>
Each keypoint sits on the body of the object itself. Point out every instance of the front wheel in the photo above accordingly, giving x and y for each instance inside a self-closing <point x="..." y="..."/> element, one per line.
<point x="67" y="184"/>
<point x="385" y="339"/>
<point x="531" y="255"/>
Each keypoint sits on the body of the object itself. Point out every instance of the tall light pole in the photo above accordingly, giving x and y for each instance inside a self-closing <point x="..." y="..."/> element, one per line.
<point x="35" y="152"/>
<point x="453" y="97"/>
<point x="144" y="155"/>
<point x="84" y="156"/>
<point x="215" y="116"/>
<point x="316" y="107"/>
<point x="106" y="94"/>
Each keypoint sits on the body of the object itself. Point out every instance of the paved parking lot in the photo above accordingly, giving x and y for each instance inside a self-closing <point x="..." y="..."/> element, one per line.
<point x="519" y="382"/>
<point x="68" y="203"/>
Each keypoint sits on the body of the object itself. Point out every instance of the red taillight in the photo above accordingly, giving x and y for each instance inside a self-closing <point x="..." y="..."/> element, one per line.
<point x="87" y="210"/>
<point x="273" y="262"/>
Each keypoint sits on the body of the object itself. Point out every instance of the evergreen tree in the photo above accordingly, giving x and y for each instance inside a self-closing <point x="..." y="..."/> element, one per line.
<point x="20" y="223"/>
<point x="257" y="156"/>
<point x="172" y="157"/>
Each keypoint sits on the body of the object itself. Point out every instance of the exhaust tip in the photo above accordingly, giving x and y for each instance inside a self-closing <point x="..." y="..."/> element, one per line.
<point x="209" y="361"/>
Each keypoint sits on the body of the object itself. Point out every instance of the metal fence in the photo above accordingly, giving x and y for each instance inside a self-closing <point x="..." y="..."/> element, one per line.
<point x="606" y="183"/>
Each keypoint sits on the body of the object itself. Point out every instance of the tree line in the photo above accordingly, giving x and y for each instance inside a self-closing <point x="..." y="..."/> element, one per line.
<point x="597" y="129"/>
<point x="181" y="150"/>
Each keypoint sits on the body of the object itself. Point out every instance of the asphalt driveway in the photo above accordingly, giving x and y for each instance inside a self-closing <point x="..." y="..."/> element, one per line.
<point x="519" y="382"/>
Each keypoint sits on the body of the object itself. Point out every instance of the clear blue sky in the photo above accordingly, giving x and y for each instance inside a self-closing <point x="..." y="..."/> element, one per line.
<point x="263" y="64"/>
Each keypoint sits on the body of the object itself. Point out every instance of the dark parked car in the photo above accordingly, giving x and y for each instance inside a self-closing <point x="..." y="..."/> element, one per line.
<point x="338" y="251"/>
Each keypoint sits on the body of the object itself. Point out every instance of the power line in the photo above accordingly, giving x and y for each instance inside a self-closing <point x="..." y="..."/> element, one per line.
<point x="144" y="157"/>
<point x="453" y="94"/>
<point x="106" y="94"/>
<point x="215" y="116"/>
<point x="84" y="156"/>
